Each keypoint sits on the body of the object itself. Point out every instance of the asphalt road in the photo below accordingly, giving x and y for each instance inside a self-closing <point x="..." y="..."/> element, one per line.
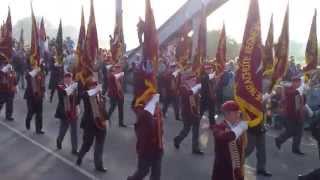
<point x="27" y="156"/>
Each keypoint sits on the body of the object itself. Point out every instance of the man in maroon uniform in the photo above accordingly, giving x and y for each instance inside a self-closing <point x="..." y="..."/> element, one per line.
<point x="294" y="104"/>
<point x="230" y="142"/>
<point x="190" y="112"/>
<point x="67" y="111"/>
<point x="115" y="92"/>
<point x="171" y="96"/>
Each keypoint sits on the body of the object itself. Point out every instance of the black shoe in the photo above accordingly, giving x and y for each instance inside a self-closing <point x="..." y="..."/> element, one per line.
<point x="9" y="119"/>
<point x="197" y="152"/>
<point x="263" y="173"/>
<point x="79" y="161"/>
<point x="101" y="169"/>
<point x="28" y="125"/>
<point x="59" y="145"/>
<point x="40" y="132"/>
<point x="298" y="152"/>
<point x="176" y="144"/>
<point x="278" y="144"/>
<point x="122" y="125"/>
<point x="74" y="152"/>
<point x="302" y="177"/>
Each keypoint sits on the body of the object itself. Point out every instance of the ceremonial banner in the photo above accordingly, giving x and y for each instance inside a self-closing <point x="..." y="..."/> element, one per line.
<point x="248" y="80"/>
<point x="91" y="43"/>
<point x="21" y="40"/>
<point x="6" y="40"/>
<point x="268" y="57"/>
<point x="221" y="59"/>
<point x="281" y="53"/>
<point x="59" y="42"/>
<point x="183" y="49"/>
<point x="151" y="43"/>
<point x="35" y="51"/>
<point x="80" y="48"/>
<point x="117" y="45"/>
<point x="312" y="47"/>
<point x="201" y="50"/>
<point x="146" y="85"/>
<point x="42" y="31"/>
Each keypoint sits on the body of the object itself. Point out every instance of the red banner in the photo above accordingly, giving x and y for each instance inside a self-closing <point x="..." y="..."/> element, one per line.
<point x="312" y="47"/>
<point x="201" y="50"/>
<point x="91" y="43"/>
<point x="268" y="52"/>
<point x="80" y="47"/>
<point x="35" y="51"/>
<point x="248" y="80"/>
<point x="6" y="40"/>
<point x="221" y="59"/>
<point x="281" y="53"/>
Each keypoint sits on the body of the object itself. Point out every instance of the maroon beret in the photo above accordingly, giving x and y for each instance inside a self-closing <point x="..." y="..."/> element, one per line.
<point x="230" y="106"/>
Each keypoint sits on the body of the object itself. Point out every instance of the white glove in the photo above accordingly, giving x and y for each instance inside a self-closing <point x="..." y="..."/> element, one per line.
<point x="151" y="105"/>
<point x="309" y="110"/>
<point x="94" y="91"/>
<point x="108" y="67"/>
<point x="119" y="75"/>
<point x="175" y="73"/>
<point x="34" y="72"/>
<point x="240" y="129"/>
<point x="212" y="75"/>
<point x="195" y="89"/>
<point x="6" y="68"/>
<point x="265" y="97"/>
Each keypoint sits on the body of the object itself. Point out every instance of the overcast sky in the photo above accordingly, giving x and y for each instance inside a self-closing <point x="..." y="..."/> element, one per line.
<point x="232" y="13"/>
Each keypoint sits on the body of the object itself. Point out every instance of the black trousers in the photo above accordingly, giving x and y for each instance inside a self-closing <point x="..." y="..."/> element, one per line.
<point x="258" y="142"/>
<point x="7" y="99"/>
<point x="64" y="126"/>
<point x="89" y="137"/>
<point x="294" y="129"/>
<point x="145" y="165"/>
<point x="114" y="102"/>
<point x="208" y="105"/>
<point x="35" y="108"/>
<point x="174" y="101"/>
<point x="185" y="131"/>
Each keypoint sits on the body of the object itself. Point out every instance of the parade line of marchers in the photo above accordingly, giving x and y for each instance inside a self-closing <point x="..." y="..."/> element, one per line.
<point x="260" y="88"/>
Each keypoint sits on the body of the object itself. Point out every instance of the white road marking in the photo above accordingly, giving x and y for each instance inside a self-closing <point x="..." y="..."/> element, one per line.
<point x="64" y="160"/>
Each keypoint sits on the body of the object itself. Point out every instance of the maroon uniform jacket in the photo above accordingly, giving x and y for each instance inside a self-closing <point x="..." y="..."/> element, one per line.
<point x="149" y="132"/>
<point x="290" y="104"/>
<point x="8" y="82"/>
<point x="229" y="154"/>
<point x="114" y="87"/>
<point x="171" y="84"/>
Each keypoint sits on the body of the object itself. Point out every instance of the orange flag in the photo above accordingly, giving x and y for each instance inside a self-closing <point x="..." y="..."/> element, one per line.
<point x="201" y="50"/>
<point x="248" y="80"/>
<point x="312" y="47"/>
<point x="221" y="58"/>
<point x="281" y="53"/>
<point x="268" y="52"/>
<point x="6" y="40"/>
<point x="35" y="51"/>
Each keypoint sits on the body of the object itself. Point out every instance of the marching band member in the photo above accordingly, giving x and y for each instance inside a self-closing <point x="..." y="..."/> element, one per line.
<point x="68" y="111"/>
<point x="230" y="143"/>
<point x="94" y="123"/>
